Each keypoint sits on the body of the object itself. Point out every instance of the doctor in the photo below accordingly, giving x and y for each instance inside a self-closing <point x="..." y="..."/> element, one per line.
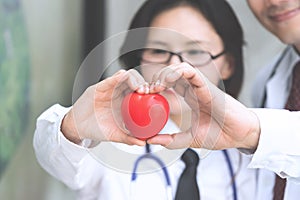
<point x="193" y="32"/>
<point x="283" y="21"/>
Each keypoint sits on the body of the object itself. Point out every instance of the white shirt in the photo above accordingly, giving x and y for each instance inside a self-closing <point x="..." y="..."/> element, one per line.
<point x="279" y="144"/>
<point x="92" y="178"/>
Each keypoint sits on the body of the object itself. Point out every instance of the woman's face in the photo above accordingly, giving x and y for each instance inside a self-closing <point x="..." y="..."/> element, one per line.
<point x="188" y="31"/>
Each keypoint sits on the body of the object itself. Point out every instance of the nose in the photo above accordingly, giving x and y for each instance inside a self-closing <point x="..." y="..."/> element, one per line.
<point x="175" y="59"/>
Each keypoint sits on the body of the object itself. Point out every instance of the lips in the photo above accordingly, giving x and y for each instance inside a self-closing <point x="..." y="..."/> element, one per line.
<point x="286" y="15"/>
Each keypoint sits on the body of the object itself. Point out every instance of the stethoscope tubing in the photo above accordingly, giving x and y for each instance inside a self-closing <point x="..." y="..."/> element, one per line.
<point x="149" y="155"/>
<point x="230" y="168"/>
<point x="156" y="159"/>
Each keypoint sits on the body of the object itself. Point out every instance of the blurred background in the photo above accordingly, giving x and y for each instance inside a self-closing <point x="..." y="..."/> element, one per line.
<point x="42" y="45"/>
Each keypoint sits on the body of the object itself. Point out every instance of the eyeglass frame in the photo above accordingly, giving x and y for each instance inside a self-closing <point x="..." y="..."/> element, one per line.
<point x="171" y="54"/>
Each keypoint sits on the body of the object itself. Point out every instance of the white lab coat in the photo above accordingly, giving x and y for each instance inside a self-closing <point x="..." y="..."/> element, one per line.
<point x="279" y="143"/>
<point x="106" y="175"/>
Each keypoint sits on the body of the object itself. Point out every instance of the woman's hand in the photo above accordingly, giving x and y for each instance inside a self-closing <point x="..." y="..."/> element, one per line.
<point x="218" y="120"/>
<point x="95" y="114"/>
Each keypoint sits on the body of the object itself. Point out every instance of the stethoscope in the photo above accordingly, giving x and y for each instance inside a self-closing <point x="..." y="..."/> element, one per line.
<point x="150" y="155"/>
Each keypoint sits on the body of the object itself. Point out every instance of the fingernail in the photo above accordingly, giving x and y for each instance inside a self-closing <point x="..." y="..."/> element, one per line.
<point x="141" y="89"/>
<point x="151" y="87"/>
<point x="157" y="83"/>
<point x="147" y="90"/>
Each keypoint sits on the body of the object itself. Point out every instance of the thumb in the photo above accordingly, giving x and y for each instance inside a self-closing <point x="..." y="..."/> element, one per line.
<point x="173" y="141"/>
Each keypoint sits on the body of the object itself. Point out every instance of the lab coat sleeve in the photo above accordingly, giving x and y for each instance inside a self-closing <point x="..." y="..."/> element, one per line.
<point x="58" y="156"/>
<point x="279" y="143"/>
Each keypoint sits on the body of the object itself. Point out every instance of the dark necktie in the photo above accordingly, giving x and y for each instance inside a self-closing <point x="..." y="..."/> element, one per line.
<point x="187" y="186"/>
<point x="292" y="104"/>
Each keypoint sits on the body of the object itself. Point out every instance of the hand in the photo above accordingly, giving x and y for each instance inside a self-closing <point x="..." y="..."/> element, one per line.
<point x="218" y="120"/>
<point x="93" y="116"/>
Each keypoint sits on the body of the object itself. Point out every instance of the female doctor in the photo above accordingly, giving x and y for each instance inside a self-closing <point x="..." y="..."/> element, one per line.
<point x="203" y="33"/>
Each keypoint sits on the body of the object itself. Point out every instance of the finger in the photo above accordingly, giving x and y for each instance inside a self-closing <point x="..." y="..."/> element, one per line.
<point x="199" y="88"/>
<point x="181" y="86"/>
<point x="158" y="80"/>
<point x="134" y="79"/>
<point x="181" y="77"/>
<point x="172" y="73"/>
<point x="127" y="139"/>
<point x="168" y="76"/>
<point x="172" y="141"/>
<point x="189" y="73"/>
<point x="161" y="74"/>
<point x="110" y="82"/>
<point x="158" y="75"/>
<point x="131" y="81"/>
<point x="162" y="139"/>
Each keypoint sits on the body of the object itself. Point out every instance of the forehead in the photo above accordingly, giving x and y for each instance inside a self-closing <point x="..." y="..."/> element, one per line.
<point x="181" y="25"/>
<point x="158" y="37"/>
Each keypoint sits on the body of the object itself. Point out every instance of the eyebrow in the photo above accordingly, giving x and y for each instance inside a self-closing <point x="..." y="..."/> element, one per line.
<point x="164" y="44"/>
<point x="157" y="42"/>
<point x="199" y="42"/>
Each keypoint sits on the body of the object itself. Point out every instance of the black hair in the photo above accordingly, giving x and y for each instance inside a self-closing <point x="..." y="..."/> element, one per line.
<point x="218" y="12"/>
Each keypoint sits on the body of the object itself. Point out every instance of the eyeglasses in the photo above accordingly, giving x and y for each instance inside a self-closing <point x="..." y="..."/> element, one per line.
<point x="195" y="57"/>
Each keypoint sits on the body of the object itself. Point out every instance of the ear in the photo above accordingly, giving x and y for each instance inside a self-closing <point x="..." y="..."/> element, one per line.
<point x="228" y="68"/>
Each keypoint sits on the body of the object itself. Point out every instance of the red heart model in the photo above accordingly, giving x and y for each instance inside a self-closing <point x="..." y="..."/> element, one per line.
<point x="144" y="114"/>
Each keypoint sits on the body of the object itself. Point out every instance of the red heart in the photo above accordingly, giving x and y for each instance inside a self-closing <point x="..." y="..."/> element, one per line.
<point x="144" y="114"/>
